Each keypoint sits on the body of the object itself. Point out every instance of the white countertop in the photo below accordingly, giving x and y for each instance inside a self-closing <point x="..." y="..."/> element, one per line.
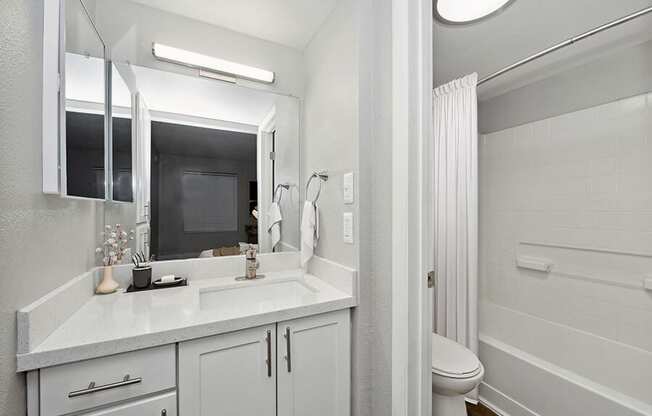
<point x="121" y="322"/>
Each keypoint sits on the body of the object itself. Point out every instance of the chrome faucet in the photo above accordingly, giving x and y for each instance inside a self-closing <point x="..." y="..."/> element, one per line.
<point x="250" y="262"/>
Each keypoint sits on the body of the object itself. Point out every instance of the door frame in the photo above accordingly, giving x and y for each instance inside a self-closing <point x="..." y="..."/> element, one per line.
<point x="412" y="79"/>
<point x="264" y="176"/>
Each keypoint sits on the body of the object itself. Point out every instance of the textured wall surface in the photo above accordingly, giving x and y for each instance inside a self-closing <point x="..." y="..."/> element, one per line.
<point x="330" y="129"/>
<point x="44" y="240"/>
<point x="372" y="319"/>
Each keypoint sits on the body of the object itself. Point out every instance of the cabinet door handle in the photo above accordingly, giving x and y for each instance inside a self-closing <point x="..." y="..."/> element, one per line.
<point x="288" y="349"/>
<point x="92" y="388"/>
<point x="268" y="339"/>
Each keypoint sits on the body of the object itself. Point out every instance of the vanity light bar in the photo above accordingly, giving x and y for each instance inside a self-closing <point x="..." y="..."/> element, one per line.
<point x="209" y="63"/>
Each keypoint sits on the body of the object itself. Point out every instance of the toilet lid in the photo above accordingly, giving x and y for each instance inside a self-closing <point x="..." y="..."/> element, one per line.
<point x="449" y="357"/>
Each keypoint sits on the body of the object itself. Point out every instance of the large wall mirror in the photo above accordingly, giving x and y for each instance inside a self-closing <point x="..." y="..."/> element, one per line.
<point x="212" y="159"/>
<point x="199" y="161"/>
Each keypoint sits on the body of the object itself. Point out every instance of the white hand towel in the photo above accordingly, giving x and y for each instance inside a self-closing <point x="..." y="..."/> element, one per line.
<point x="309" y="231"/>
<point x="274" y="219"/>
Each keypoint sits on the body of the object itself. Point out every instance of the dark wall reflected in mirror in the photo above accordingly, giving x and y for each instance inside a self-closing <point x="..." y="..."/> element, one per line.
<point x="85" y="154"/>
<point x="122" y="160"/>
<point x="201" y="183"/>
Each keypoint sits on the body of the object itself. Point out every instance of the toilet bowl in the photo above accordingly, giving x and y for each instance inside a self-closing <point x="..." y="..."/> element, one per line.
<point x="455" y="371"/>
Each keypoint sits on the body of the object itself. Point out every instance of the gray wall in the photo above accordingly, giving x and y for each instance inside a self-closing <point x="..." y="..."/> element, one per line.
<point x="130" y="28"/>
<point x="374" y="340"/>
<point x="621" y="73"/>
<point x="44" y="240"/>
<point x="330" y="129"/>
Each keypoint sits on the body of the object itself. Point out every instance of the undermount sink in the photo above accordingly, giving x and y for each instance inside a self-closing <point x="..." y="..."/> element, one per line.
<point x="262" y="295"/>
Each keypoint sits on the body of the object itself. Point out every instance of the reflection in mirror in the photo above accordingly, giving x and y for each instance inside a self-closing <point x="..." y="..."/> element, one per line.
<point x="84" y="129"/>
<point x="216" y="152"/>
<point x="121" y="134"/>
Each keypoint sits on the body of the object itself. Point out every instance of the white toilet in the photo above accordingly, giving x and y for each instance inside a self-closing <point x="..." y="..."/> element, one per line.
<point x="455" y="371"/>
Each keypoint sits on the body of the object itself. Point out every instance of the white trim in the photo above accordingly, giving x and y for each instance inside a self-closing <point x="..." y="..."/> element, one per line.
<point x="421" y="297"/>
<point x="411" y="257"/>
<point x="400" y="206"/>
<point x="207" y="123"/>
<point x="491" y="396"/>
<point x="50" y="104"/>
<point x="263" y="177"/>
<point x="86" y="107"/>
<point x="33" y="393"/>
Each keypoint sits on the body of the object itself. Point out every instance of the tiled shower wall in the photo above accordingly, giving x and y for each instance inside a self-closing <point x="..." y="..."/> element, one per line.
<point x="576" y="190"/>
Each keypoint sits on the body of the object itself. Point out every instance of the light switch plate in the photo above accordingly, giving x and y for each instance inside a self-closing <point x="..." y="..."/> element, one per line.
<point x="347" y="221"/>
<point x="348" y="188"/>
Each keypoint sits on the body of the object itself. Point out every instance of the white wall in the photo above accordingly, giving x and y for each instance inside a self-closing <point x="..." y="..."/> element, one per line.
<point x="288" y="168"/>
<point x="131" y="28"/>
<point x="618" y="73"/>
<point x="201" y="97"/>
<point x="347" y="126"/>
<point x="374" y="315"/>
<point x="44" y="240"/>
<point x="330" y="123"/>
<point x="560" y="188"/>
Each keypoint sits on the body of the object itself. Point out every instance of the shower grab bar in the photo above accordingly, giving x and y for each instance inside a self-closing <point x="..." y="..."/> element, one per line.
<point x="584" y="275"/>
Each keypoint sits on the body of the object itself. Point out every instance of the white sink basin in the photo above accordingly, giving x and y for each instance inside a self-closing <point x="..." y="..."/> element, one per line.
<point x="260" y="295"/>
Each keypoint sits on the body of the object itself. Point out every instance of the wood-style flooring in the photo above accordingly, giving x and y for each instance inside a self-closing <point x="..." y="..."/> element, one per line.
<point x="478" y="410"/>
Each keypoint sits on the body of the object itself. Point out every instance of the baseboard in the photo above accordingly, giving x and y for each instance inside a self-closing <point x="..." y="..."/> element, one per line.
<point x="501" y="404"/>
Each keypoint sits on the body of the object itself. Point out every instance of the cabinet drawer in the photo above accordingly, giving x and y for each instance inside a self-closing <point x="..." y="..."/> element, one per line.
<point x="165" y="405"/>
<point x="86" y="384"/>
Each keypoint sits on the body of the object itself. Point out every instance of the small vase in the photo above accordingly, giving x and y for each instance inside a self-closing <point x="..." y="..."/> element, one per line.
<point x="107" y="285"/>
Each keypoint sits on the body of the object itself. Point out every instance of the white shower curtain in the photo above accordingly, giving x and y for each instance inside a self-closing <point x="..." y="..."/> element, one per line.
<point x="456" y="211"/>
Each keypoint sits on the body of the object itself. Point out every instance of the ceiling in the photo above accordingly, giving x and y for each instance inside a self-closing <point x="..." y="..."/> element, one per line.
<point x="192" y="141"/>
<point x="527" y="27"/>
<point x="287" y="22"/>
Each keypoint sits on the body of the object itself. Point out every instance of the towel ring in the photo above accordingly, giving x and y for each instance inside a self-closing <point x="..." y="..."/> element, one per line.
<point x="280" y="187"/>
<point x="322" y="176"/>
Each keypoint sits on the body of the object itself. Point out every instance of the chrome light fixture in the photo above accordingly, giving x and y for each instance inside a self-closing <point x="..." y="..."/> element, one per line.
<point x="211" y="64"/>
<point x="459" y="12"/>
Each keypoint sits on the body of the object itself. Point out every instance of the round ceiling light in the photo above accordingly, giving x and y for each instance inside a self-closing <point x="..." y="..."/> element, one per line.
<point x="467" y="11"/>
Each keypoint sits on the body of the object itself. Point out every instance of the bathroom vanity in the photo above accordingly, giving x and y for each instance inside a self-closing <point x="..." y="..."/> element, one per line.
<point x="216" y="346"/>
<point x="190" y="164"/>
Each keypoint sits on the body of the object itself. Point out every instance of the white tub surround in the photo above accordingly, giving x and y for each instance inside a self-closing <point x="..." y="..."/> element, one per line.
<point x="212" y="303"/>
<point x="564" y="254"/>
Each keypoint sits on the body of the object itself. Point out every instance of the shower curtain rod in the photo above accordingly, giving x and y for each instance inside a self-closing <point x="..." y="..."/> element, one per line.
<point x="567" y="42"/>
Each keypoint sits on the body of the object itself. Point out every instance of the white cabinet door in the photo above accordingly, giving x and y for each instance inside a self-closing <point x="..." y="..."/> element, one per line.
<point x="232" y="374"/>
<point x="314" y="365"/>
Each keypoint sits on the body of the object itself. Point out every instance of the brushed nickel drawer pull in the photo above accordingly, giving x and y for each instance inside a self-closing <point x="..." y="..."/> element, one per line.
<point x="268" y="339"/>
<point x="92" y="388"/>
<point x="288" y="349"/>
